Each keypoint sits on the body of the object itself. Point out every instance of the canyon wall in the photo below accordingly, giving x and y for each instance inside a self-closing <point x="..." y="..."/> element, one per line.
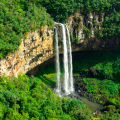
<point x="83" y="42"/>
<point x="38" y="45"/>
<point x="78" y="22"/>
<point x="34" y="50"/>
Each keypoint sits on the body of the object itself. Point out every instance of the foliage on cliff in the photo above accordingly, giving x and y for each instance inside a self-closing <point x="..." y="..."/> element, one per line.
<point x="99" y="75"/>
<point x="111" y="26"/>
<point x="61" y="9"/>
<point x="17" y="17"/>
<point x="25" y="98"/>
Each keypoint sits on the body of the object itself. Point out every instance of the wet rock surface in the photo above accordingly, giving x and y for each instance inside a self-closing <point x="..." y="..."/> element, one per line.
<point x="74" y="95"/>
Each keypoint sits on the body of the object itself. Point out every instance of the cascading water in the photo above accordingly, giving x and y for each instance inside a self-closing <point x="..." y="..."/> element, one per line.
<point x="58" y="89"/>
<point x="71" y="89"/>
<point x="67" y="60"/>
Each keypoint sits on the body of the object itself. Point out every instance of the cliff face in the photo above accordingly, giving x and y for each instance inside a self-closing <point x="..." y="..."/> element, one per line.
<point x="38" y="46"/>
<point x="85" y="40"/>
<point x="82" y="30"/>
<point x="34" y="50"/>
<point x="77" y="22"/>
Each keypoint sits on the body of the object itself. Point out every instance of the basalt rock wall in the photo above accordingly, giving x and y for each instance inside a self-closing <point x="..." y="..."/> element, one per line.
<point x="92" y="21"/>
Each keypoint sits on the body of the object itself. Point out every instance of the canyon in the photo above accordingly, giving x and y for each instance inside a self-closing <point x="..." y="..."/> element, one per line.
<point x="38" y="46"/>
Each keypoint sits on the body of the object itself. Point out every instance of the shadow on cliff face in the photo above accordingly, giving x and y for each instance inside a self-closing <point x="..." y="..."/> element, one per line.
<point x="47" y="71"/>
<point x="87" y="64"/>
<point x="48" y="66"/>
<point x="92" y="64"/>
<point x="96" y="64"/>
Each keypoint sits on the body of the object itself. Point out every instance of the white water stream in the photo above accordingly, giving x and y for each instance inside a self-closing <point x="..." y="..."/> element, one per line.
<point x="71" y="89"/>
<point x="65" y="60"/>
<point x="67" y="87"/>
<point x="58" y="89"/>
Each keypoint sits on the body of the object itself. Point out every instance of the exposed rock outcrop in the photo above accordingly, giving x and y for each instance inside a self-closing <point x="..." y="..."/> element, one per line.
<point x="77" y="22"/>
<point x="87" y="42"/>
<point x="38" y="45"/>
<point x="34" y="50"/>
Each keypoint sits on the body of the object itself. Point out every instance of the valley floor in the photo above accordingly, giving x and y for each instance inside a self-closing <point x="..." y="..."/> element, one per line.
<point x="96" y="77"/>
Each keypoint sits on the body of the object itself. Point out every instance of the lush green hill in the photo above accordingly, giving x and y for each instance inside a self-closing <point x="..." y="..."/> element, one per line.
<point x="17" y="17"/>
<point x="25" y="98"/>
<point x="61" y="9"/>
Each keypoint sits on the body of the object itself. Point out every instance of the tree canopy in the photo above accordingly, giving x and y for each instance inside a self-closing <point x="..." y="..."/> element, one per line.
<point x="31" y="99"/>
<point x="111" y="26"/>
<point x="17" y="17"/>
<point x="15" y="22"/>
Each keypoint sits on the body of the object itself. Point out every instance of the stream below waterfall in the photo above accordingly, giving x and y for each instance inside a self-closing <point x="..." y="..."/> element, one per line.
<point x="91" y="105"/>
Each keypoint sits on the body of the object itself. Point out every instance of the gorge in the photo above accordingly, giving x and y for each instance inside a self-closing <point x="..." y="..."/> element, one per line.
<point x="63" y="70"/>
<point x="38" y="45"/>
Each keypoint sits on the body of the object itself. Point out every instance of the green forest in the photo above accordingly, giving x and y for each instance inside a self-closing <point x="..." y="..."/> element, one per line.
<point x="18" y="17"/>
<point x="32" y="97"/>
<point x="96" y="73"/>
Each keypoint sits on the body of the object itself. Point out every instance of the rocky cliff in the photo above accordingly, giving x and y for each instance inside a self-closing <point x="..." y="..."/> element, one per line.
<point x="38" y="45"/>
<point x="34" y="50"/>
<point x="77" y="22"/>
<point x="82" y="30"/>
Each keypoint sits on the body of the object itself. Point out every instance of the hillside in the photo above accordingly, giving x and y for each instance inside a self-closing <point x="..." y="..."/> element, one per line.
<point x="30" y="57"/>
<point x="18" y="17"/>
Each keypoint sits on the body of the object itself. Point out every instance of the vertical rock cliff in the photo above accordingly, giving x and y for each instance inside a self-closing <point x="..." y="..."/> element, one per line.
<point x="34" y="50"/>
<point x="77" y="24"/>
<point x="38" y="45"/>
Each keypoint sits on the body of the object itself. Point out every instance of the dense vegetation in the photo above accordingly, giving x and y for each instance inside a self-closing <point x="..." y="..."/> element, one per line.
<point x="99" y="75"/>
<point x="96" y="73"/>
<point x="25" y="98"/>
<point x="30" y="98"/>
<point x="17" y="17"/>
<point x="111" y="23"/>
<point x="111" y="26"/>
<point x="67" y="7"/>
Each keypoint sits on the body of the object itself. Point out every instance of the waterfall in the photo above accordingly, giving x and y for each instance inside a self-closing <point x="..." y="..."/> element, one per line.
<point x="67" y="62"/>
<point x="58" y="89"/>
<point x="71" y="89"/>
